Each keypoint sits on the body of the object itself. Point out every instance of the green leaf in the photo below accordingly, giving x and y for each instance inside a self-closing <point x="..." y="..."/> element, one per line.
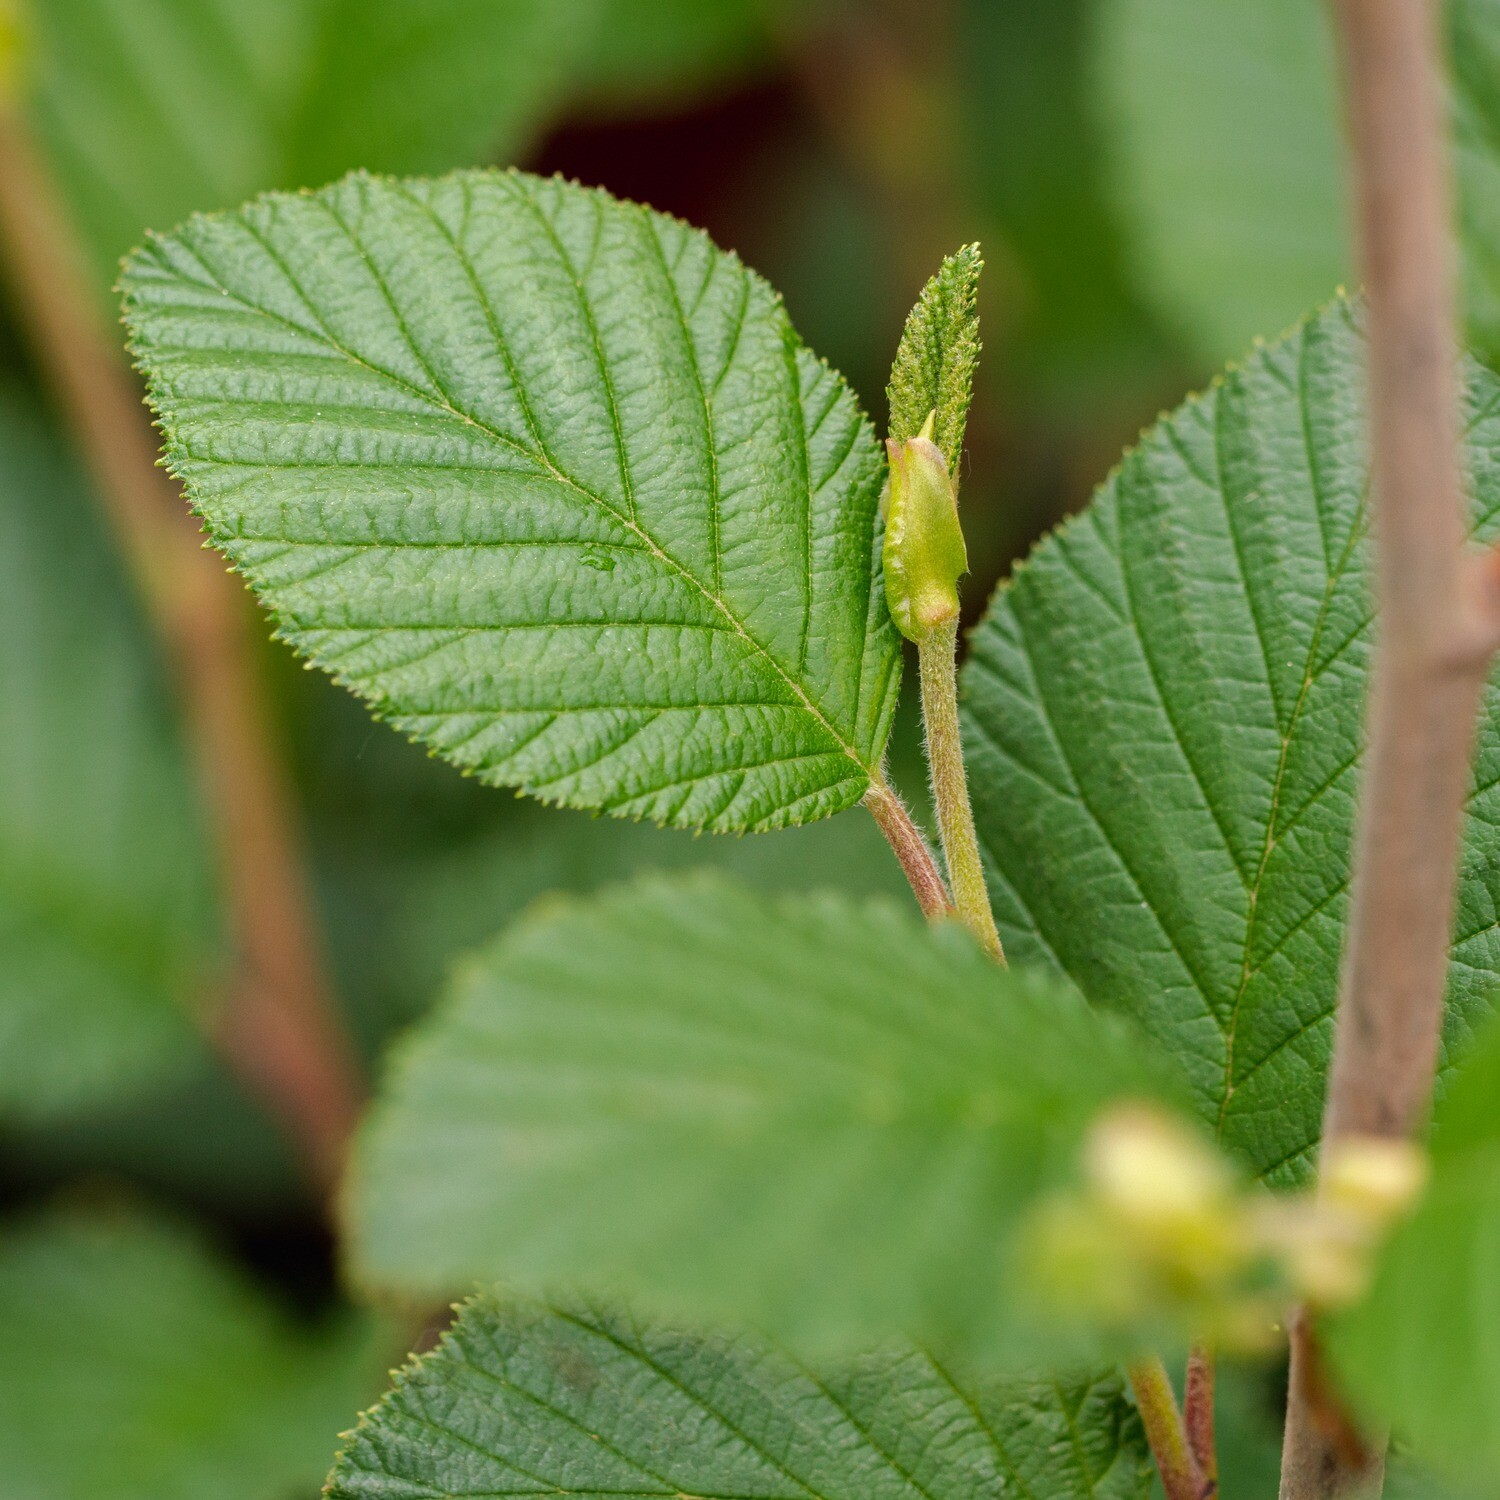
<point x="139" y="1367"/>
<point x="159" y="107"/>
<point x="1225" y="127"/>
<point x="1423" y="1352"/>
<point x="813" y="1115"/>
<point x="934" y="368"/>
<point x="570" y="1401"/>
<point x="1078" y="348"/>
<point x="394" y="87"/>
<point x="1163" y="716"/>
<point x="107" y="940"/>
<point x="645" y="52"/>
<point x="546" y="478"/>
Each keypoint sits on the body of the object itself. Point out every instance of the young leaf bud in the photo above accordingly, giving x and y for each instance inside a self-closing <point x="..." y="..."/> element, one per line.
<point x="924" y="554"/>
<point x="932" y="379"/>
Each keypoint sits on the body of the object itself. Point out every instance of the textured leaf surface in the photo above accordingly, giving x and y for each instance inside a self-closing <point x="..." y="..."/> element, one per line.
<point x="546" y="478"/>
<point x="813" y="1115"/>
<point x="154" y="108"/>
<point x="1424" y="1351"/>
<point x="106" y="931"/>
<point x="571" y="1402"/>
<point x="140" y="1368"/>
<point x="1224" y="123"/>
<point x="1163" y="717"/>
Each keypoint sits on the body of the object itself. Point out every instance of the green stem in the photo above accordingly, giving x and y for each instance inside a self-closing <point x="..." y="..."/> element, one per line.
<point x="1181" y="1477"/>
<point x="950" y="786"/>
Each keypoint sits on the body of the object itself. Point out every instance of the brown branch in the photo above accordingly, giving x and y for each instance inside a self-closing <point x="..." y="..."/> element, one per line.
<point x="911" y="850"/>
<point x="278" y="1027"/>
<point x="1432" y="646"/>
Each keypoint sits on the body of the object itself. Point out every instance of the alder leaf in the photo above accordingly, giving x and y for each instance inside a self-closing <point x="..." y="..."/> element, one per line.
<point x="812" y="1115"/>
<point x="141" y="1367"/>
<point x="546" y="478"/>
<point x="1225" y="131"/>
<point x="107" y="929"/>
<point x="1163" y="717"/>
<point x="577" y="1401"/>
<point x="1423" y="1351"/>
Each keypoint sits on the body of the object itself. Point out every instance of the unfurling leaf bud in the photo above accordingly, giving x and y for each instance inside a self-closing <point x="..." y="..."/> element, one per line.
<point x="924" y="555"/>
<point x="932" y="379"/>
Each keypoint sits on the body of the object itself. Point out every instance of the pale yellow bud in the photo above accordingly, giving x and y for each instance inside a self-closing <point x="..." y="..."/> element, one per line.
<point x="1374" y="1178"/>
<point x="1151" y="1172"/>
<point x="1326" y="1256"/>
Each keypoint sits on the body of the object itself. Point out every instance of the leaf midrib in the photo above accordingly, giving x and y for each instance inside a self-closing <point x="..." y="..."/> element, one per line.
<point x="540" y="455"/>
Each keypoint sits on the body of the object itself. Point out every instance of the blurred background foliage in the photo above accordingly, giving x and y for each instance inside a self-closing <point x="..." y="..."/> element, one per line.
<point x="1154" y="183"/>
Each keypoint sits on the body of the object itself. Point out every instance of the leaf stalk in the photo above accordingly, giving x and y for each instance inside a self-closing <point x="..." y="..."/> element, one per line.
<point x="1198" y="1412"/>
<point x="911" y="850"/>
<point x="1182" y="1478"/>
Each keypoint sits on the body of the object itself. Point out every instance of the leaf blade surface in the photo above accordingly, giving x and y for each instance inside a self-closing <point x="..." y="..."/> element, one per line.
<point x="1164" y="712"/>
<point x="543" y="476"/>
<point x="809" y="1115"/>
<point x="526" y="1399"/>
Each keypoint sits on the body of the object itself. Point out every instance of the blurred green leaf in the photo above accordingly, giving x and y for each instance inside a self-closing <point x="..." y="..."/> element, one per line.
<point x="1224" y="126"/>
<point x="544" y="477"/>
<point x="1070" y="322"/>
<point x="1164" y="711"/>
<point x="139" y="1367"/>
<point x="403" y="900"/>
<point x="652" y="51"/>
<point x="153" y="109"/>
<point x="1423" y="1351"/>
<point x="107" y="940"/>
<point x="581" y="1402"/>
<point x="810" y="1114"/>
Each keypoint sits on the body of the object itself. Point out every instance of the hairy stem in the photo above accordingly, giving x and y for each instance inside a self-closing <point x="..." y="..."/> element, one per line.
<point x="950" y="786"/>
<point x="1438" y="623"/>
<point x="911" y="851"/>
<point x="278" y="1027"/>
<point x="1181" y="1477"/>
<point x="1198" y="1415"/>
<point x="1324" y="1452"/>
